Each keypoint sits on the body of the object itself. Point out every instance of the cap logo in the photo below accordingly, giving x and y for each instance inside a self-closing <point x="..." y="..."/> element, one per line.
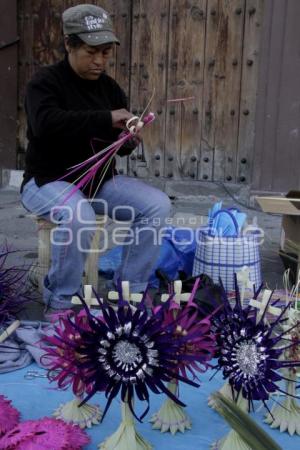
<point x="95" y="23"/>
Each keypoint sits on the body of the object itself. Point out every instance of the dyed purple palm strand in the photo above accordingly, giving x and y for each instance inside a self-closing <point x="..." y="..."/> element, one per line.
<point x="110" y="152"/>
<point x="14" y="292"/>
<point x="193" y="293"/>
<point x="91" y="173"/>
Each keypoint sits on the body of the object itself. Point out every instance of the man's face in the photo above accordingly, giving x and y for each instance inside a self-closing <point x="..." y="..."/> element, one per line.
<point x="89" y="62"/>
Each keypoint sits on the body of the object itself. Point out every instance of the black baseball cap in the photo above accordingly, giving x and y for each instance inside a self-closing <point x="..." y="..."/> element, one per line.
<point x="91" y="23"/>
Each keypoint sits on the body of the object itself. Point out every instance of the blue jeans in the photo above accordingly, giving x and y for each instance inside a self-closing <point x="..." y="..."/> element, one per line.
<point x="123" y="199"/>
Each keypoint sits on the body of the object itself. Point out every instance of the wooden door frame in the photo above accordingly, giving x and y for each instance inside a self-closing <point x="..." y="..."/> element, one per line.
<point x="8" y="83"/>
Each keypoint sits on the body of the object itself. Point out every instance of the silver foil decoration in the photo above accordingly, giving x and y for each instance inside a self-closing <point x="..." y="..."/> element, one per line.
<point x="126" y="352"/>
<point x="248" y="357"/>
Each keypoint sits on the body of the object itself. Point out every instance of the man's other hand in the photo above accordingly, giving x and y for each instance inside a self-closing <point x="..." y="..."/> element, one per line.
<point x="134" y="141"/>
<point x="119" y="118"/>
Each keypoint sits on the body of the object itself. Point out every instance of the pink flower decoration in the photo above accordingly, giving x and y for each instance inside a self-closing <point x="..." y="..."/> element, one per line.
<point x="9" y="416"/>
<point x="198" y="342"/>
<point x="54" y="317"/>
<point x="44" y="434"/>
<point x="61" y="356"/>
<point x="199" y="347"/>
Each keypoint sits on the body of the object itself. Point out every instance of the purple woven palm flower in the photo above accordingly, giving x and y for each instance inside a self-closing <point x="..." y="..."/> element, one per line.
<point x="250" y="352"/>
<point x="13" y="289"/>
<point x="199" y="343"/>
<point x="61" y="354"/>
<point x="129" y="352"/>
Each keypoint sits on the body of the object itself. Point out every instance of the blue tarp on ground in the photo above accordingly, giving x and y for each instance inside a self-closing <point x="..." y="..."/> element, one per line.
<point x="36" y="399"/>
<point x="177" y="253"/>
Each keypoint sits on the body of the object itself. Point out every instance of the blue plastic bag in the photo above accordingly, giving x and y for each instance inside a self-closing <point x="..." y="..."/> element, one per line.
<point x="225" y="221"/>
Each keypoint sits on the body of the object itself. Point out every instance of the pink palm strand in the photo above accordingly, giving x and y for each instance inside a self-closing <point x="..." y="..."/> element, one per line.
<point x="108" y="152"/>
<point x="9" y="416"/>
<point x="44" y="434"/>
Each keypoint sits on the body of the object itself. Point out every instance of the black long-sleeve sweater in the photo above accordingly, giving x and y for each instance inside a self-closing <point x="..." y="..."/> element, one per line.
<point x="69" y="119"/>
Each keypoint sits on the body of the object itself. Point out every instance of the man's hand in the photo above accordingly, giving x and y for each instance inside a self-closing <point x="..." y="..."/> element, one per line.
<point x="134" y="141"/>
<point x="119" y="118"/>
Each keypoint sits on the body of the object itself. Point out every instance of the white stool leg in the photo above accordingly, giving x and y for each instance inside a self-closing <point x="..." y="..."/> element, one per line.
<point x="91" y="265"/>
<point x="44" y="250"/>
<point x="298" y="267"/>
